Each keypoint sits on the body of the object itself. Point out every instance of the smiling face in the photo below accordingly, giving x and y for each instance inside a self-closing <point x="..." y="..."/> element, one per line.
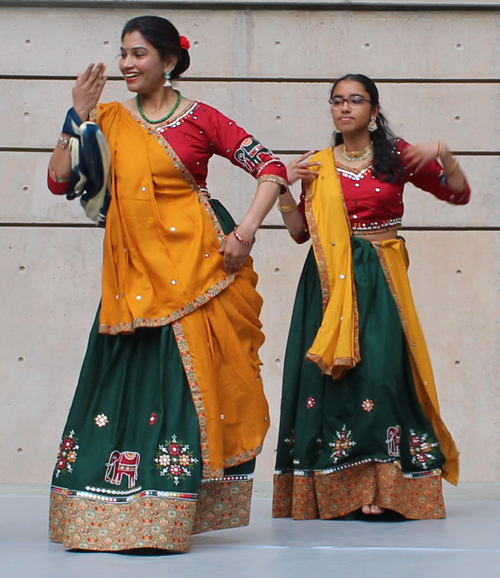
<point x="141" y="64"/>
<point x="353" y="115"/>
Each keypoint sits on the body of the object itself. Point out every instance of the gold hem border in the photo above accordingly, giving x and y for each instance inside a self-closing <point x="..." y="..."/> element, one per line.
<point x="189" y="369"/>
<point x="131" y="326"/>
<point x="339" y="493"/>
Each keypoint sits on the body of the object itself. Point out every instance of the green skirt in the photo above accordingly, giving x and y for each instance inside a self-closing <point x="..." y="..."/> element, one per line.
<point x="128" y="473"/>
<point x="363" y="439"/>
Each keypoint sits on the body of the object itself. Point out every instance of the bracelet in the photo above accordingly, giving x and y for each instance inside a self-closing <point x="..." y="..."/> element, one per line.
<point x="439" y="150"/>
<point x="241" y="240"/>
<point x="286" y="208"/>
<point x="454" y="168"/>
<point x="63" y="141"/>
<point x="72" y="123"/>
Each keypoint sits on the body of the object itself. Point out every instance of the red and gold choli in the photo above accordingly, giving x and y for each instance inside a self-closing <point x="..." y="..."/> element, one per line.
<point x="375" y="206"/>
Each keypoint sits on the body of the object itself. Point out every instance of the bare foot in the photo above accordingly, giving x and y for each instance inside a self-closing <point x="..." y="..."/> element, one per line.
<point x="372" y="509"/>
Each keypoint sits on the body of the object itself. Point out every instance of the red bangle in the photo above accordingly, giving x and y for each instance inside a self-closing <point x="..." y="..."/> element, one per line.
<point x="241" y="240"/>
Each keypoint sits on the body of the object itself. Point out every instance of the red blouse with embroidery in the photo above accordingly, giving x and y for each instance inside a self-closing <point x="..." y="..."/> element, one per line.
<point x="375" y="206"/>
<point x="202" y="131"/>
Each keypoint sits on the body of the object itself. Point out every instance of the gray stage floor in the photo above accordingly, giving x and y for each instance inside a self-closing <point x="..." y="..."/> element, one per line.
<point x="465" y="545"/>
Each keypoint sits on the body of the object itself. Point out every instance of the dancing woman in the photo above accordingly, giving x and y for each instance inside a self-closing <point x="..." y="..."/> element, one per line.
<point x="169" y="413"/>
<point x="360" y="426"/>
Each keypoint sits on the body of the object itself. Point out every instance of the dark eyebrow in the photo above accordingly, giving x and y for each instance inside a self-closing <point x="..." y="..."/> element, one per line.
<point x="133" y="48"/>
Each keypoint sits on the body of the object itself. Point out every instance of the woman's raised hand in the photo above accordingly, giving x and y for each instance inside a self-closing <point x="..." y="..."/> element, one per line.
<point x="87" y="89"/>
<point x="419" y="155"/>
<point x="299" y="169"/>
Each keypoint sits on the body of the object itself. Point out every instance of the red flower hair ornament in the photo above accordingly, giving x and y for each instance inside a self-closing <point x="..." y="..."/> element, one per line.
<point x="184" y="43"/>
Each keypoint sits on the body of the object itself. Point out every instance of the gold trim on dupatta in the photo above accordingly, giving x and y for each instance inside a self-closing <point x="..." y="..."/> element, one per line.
<point x="336" y="346"/>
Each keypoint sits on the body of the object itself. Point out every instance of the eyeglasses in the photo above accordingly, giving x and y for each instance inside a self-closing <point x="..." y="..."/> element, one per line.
<point x="353" y="101"/>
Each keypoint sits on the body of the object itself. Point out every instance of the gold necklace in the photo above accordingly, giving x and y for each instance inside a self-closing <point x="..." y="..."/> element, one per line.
<point x="357" y="155"/>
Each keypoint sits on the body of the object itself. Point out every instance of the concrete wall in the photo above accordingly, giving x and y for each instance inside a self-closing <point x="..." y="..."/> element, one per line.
<point x="270" y="69"/>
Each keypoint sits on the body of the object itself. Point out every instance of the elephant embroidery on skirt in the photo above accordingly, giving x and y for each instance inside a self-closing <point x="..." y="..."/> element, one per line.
<point x="122" y="464"/>
<point x="393" y="440"/>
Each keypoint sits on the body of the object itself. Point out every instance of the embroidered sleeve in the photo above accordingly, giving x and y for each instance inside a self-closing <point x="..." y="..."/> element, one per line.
<point x="431" y="178"/>
<point x="245" y="151"/>
<point x="58" y="185"/>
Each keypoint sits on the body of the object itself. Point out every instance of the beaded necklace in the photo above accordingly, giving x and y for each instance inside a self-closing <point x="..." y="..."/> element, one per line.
<point x="139" y="107"/>
<point x="358" y="155"/>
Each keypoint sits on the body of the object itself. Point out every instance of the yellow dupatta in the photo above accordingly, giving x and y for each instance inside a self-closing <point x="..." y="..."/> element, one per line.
<point x="336" y="346"/>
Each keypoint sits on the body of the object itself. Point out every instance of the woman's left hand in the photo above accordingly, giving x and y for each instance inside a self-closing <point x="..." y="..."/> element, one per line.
<point x="235" y="253"/>
<point x="416" y="157"/>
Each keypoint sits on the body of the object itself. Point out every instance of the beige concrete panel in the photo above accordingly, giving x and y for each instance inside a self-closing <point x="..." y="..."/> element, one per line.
<point x="379" y="44"/>
<point x="483" y="210"/>
<point x="49" y="292"/>
<point x="25" y="196"/>
<point x="26" y="199"/>
<point x="285" y="116"/>
<point x="264" y="44"/>
<point x="455" y="280"/>
<point x="279" y="261"/>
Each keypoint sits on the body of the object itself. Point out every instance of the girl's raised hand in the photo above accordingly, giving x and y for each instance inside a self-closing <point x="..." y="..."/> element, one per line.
<point x="299" y="169"/>
<point x="419" y="155"/>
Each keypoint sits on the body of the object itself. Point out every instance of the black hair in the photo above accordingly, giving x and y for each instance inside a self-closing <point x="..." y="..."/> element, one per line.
<point x="387" y="165"/>
<point x="164" y="36"/>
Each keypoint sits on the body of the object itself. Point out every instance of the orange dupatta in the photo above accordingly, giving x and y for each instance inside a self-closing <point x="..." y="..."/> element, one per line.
<point x="161" y="248"/>
<point x="162" y="266"/>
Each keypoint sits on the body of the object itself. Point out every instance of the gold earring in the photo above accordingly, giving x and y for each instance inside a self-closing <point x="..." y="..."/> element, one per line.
<point x="372" y="125"/>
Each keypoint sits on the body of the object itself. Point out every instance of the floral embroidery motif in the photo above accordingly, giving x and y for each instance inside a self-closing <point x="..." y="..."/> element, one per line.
<point x="175" y="460"/>
<point x="342" y="445"/>
<point x="291" y="442"/>
<point x="368" y="405"/>
<point x="122" y="464"/>
<point x="101" y="420"/>
<point x="153" y="418"/>
<point x="67" y="454"/>
<point x="310" y="403"/>
<point x="421" y="449"/>
<point x="393" y="440"/>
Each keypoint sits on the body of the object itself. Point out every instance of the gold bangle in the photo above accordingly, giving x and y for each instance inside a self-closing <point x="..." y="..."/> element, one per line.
<point x="439" y="150"/>
<point x="454" y="168"/>
<point x="286" y="208"/>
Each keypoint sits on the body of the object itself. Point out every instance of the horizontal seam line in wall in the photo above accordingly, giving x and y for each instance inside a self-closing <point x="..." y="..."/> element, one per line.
<point x="262" y="227"/>
<point x="346" y="6"/>
<point x="276" y="151"/>
<point x="409" y="228"/>
<point x="275" y="79"/>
